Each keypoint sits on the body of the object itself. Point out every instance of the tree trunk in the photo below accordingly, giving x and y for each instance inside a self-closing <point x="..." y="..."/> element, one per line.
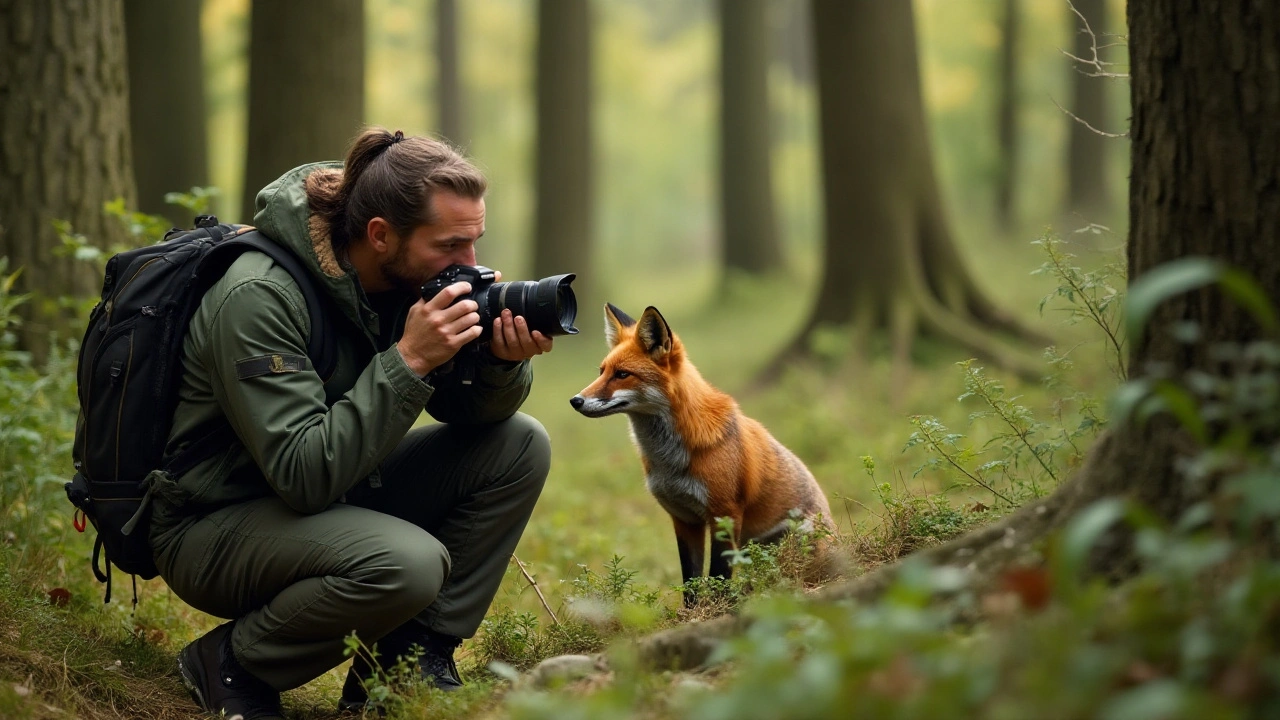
<point x="1007" y="115"/>
<point x="64" y="145"/>
<point x="1088" y="191"/>
<point x="306" y="87"/>
<point x="1205" y="181"/>
<point x="749" y="241"/>
<point x="889" y="262"/>
<point x="793" y="38"/>
<point x="562" y="236"/>
<point x="448" y="83"/>
<point x="166" y="103"/>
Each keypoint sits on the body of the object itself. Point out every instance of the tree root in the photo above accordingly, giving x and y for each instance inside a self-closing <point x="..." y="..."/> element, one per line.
<point x="964" y="332"/>
<point x="984" y="554"/>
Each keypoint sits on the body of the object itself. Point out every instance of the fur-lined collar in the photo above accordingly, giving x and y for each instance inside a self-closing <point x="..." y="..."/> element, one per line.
<point x="323" y="182"/>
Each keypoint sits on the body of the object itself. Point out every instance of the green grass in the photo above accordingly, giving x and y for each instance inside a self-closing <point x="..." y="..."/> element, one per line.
<point x="601" y="549"/>
<point x="595" y="526"/>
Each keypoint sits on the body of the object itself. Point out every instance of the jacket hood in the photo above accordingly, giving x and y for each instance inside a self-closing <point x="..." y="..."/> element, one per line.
<point x="283" y="213"/>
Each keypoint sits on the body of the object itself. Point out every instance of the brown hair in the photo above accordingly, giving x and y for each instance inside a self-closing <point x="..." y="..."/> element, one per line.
<point x="393" y="177"/>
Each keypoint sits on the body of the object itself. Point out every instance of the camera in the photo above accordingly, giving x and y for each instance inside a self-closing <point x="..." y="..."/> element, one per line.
<point x="548" y="305"/>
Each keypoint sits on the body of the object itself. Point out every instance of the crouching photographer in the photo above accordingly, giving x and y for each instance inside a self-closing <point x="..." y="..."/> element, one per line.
<point x="327" y="514"/>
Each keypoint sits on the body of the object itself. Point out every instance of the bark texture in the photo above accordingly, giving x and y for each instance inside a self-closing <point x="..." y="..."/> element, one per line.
<point x="889" y="261"/>
<point x="64" y="144"/>
<point x="166" y="103"/>
<point x="449" y="96"/>
<point x="749" y="227"/>
<point x="1088" y="190"/>
<point x="306" y="87"/>
<point x="562" y="231"/>
<point x="1205" y="181"/>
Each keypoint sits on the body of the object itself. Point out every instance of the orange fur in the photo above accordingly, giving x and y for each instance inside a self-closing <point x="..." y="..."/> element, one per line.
<point x="703" y="459"/>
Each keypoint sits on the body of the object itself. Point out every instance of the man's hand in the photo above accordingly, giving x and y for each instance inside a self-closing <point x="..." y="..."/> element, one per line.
<point x="512" y="340"/>
<point x="435" y="331"/>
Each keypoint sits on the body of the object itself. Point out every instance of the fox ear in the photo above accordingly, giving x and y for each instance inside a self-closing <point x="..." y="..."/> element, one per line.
<point x="614" y="321"/>
<point x="654" y="334"/>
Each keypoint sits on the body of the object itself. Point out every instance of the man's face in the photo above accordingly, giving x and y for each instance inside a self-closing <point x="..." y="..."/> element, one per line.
<point x="450" y="240"/>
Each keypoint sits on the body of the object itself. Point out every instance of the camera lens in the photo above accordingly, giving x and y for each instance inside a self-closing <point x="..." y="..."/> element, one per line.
<point x="548" y="305"/>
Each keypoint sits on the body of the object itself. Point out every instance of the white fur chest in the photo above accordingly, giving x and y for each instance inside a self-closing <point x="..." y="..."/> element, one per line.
<point x="669" y="481"/>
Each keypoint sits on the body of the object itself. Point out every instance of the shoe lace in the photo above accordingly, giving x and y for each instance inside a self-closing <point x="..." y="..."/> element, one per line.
<point x="440" y="666"/>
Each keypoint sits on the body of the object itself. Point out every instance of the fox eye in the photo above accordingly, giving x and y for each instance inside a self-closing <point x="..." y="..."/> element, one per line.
<point x="621" y="375"/>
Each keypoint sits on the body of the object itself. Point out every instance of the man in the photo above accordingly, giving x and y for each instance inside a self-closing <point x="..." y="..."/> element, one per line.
<point x="329" y="515"/>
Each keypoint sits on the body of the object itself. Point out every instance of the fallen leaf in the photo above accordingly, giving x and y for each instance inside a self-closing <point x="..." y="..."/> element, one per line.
<point x="59" y="597"/>
<point x="1140" y="672"/>
<point x="1030" y="584"/>
<point x="978" y="507"/>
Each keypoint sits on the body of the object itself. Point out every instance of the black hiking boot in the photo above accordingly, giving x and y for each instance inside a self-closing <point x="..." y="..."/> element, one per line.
<point x="435" y="666"/>
<point x="219" y="684"/>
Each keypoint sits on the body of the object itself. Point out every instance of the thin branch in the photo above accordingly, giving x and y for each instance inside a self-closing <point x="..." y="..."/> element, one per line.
<point x="1085" y="123"/>
<point x="939" y="449"/>
<point x="1095" y="312"/>
<point x="1097" y="63"/>
<point x="536" y="589"/>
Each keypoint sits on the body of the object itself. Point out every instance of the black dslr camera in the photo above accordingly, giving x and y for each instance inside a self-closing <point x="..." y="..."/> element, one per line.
<point x="548" y="305"/>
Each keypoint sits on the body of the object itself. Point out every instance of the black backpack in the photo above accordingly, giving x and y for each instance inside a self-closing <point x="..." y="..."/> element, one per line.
<point x="128" y="377"/>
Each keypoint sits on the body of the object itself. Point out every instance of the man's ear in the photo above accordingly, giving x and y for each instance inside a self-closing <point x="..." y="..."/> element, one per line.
<point x="378" y="231"/>
<point x="654" y="334"/>
<point x="614" y="321"/>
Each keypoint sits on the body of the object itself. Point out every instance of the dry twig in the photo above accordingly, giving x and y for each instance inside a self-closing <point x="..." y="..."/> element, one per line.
<point x="536" y="589"/>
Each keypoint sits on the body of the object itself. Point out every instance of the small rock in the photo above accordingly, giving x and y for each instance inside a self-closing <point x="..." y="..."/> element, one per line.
<point x="561" y="669"/>
<point x="692" y="684"/>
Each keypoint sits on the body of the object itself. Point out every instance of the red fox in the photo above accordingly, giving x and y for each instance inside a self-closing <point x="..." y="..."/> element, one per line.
<point x="703" y="459"/>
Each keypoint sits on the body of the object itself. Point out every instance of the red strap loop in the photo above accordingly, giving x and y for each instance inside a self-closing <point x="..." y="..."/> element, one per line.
<point x="78" y="521"/>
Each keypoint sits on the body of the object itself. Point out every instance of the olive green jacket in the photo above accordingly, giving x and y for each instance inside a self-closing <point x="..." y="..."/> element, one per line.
<point x="304" y="439"/>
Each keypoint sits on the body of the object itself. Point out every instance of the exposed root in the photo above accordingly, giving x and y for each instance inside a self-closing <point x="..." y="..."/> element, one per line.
<point x="970" y="336"/>
<point x="984" y="554"/>
<point x="987" y="313"/>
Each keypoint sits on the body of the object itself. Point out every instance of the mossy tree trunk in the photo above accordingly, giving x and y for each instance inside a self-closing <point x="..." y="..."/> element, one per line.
<point x="889" y="262"/>
<point x="166" y="103"/>
<point x="449" y="96"/>
<point x="1007" y="114"/>
<point x="64" y="146"/>
<point x="749" y="232"/>
<point x="1088" y="190"/>
<point x="1205" y="182"/>
<point x="306" y="87"/>
<point x="564" y="175"/>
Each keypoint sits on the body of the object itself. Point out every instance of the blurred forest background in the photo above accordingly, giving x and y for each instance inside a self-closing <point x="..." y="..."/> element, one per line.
<point x="832" y="202"/>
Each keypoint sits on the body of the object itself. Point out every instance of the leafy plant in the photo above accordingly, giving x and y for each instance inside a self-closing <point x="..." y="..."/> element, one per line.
<point x="1092" y="295"/>
<point x="39" y="411"/>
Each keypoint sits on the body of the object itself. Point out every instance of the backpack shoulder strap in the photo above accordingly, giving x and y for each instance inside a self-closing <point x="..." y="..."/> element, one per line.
<point x="321" y="345"/>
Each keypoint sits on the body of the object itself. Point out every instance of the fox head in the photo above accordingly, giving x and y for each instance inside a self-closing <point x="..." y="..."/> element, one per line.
<point x="636" y="376"/>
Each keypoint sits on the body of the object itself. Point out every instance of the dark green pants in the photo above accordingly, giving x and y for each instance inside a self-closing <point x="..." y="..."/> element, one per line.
<point x="429" y="546"/>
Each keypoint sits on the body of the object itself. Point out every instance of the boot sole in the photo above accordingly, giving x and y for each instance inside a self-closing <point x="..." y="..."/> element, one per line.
<point x="189" y="681"/>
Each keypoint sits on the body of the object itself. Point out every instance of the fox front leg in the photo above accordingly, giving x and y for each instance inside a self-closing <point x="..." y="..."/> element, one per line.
<point x="690" y="541"/>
